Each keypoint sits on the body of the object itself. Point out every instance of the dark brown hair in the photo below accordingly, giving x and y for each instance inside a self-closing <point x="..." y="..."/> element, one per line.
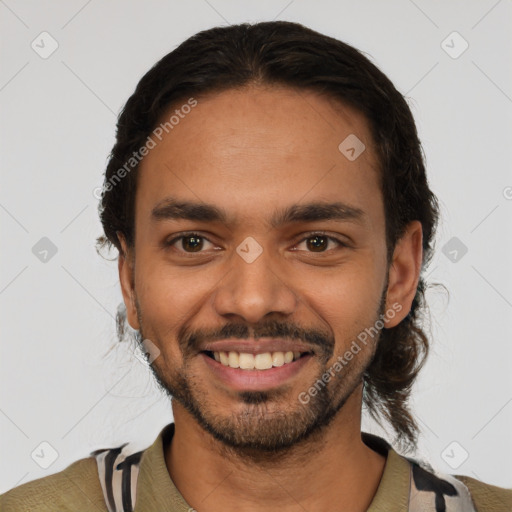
<point x="289" y="54"/>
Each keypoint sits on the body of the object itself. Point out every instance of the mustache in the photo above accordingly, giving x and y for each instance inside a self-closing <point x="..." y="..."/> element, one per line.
<point x="190" y="341"/>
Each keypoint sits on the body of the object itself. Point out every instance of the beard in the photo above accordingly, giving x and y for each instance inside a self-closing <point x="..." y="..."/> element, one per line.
<point x="264" y="422"/>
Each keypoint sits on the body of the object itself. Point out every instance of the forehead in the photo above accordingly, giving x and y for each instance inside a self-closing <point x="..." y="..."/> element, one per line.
<point x="248" y="149"/>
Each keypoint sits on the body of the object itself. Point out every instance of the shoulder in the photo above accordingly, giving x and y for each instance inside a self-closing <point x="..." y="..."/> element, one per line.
<point x="455" y="492"/>
<point x="76" y="488"/>
<point x="107" y="476"/>
<point x="487" y="497"/>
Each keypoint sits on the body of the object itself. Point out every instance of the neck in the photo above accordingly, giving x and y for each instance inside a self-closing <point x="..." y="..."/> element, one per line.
<point x="332" y="467"/>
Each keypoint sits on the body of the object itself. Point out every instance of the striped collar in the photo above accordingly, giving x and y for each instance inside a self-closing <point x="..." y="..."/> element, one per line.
<point x="141" y="478"/>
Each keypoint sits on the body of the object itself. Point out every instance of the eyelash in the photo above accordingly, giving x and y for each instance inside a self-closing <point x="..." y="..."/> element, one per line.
<point x="170" y="243"/>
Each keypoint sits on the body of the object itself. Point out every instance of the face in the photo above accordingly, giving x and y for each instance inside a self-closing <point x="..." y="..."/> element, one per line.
<point x="259" y="259"/>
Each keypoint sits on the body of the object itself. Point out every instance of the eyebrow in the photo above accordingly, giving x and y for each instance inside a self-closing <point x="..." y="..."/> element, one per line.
<point x="172" y="209"/>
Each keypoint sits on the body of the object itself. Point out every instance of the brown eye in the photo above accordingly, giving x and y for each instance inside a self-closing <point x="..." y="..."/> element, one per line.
<point x="317" y="243"/>
<point x="189" y="243"/>
<point x="192" y="243"/>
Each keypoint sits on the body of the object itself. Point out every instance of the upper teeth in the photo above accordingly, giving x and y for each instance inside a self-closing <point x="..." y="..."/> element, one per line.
<point x="247" y="361"/>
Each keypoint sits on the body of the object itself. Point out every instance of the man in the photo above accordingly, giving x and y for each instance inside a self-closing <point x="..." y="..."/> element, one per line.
<point x="268" y="199"/>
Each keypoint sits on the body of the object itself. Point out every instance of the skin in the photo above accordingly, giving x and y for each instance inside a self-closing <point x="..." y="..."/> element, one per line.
<point x="251" y="151"/>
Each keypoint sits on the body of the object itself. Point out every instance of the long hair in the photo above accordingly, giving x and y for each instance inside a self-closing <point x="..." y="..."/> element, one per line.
<point x="285" y="53"/>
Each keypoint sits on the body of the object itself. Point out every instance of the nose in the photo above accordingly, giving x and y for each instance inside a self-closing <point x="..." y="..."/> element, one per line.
<point x="253" y="290"/>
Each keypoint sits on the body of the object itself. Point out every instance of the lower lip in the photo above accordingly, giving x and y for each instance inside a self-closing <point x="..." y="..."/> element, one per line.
<point x="255" y="380"/>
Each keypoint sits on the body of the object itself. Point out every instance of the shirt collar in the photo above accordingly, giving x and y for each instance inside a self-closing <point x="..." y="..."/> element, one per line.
<point x="156" y="490"/>
<point x="393" y="492"/>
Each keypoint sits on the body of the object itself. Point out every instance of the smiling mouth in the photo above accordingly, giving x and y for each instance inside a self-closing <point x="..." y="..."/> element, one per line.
<point x="248" y="361"/>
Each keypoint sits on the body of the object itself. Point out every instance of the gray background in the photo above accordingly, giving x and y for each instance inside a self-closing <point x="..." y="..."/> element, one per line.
<point x="61" y="385"/>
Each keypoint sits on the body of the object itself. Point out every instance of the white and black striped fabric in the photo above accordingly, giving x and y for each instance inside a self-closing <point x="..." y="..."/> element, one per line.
<point x="431" y="490"/>
<point x="118" y="470"/>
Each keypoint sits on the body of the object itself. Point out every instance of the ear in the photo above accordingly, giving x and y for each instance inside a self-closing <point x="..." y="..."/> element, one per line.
<point x="404" y="273"/>
<point x="126" y="268"/>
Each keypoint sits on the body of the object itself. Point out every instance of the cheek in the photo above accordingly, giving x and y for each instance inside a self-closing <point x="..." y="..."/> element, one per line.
<point x="349" y="301"/>
<point x="164" y="289"/>
<point x="169" y="298"/>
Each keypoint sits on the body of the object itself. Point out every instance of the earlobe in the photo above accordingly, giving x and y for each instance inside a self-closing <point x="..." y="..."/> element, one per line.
<point x="126" y="279"/>
<point x="404" y="273"/>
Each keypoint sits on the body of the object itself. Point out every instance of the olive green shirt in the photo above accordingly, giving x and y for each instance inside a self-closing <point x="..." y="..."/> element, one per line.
<point x="89" y="483"/>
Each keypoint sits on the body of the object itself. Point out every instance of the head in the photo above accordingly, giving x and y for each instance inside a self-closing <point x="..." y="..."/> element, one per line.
<point x="267" y="182"/>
